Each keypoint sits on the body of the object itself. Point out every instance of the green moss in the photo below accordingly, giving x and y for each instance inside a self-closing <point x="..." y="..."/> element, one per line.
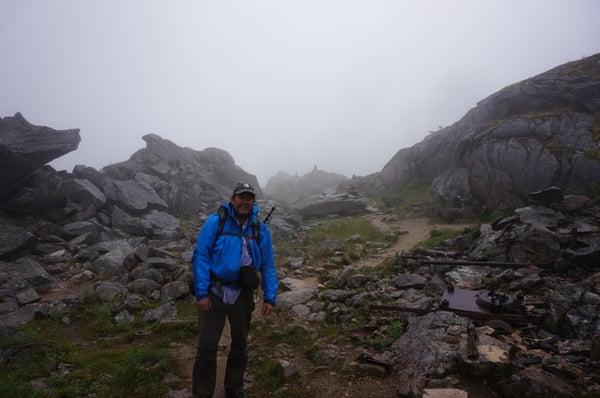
<point x="89" y="356"/>
<point x="596" y="129"/>
<point x="268" y="374"/>
<point x="593" y="153"/>
<point x="394" y="330"/>
<point x="438" y="235"/>
<point x="385" y="267"/>
<point x="411" y="198"/>
<point x="309" y="241"/>
<point x="343" y="228"/>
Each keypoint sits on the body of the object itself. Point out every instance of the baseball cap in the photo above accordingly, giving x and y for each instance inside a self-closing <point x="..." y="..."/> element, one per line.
<point x="242" y="187"/>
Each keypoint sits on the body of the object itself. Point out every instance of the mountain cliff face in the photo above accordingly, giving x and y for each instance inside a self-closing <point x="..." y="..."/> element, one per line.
<point x="539" y="132"/>
<point x="289" y="189"/>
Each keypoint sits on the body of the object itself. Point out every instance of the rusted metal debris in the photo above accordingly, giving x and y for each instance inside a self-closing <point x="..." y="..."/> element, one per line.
<point x="426" y="260"/>
<point x="511" y="318"/>
<point x="474" y="304"/>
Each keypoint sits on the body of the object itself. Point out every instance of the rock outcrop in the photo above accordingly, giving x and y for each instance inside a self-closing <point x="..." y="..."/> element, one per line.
<point x="187" y="181"/>
<point x="539" y="132"/>
<point x="341" y="204"/>
<point x="25" y="148"/>
<point x="290" y="189"/>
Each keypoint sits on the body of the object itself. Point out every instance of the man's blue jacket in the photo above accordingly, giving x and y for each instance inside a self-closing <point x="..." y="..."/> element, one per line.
<point x="222" y="257"/>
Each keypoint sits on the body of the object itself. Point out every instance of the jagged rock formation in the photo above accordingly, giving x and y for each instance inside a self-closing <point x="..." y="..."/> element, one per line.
<point x="542" y="131"/>
<point x="186" y="180"/>
<point x="65" y="229"/>
<point x="290" y="189"/>
<point x="25" y="149"/>
<point x="341" y="204"/>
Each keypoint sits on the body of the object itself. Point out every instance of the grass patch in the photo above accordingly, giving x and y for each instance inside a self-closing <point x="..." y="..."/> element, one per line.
<point x="344" y="228"/>
<point x="496" y="214"/>
<point x="596" y="129"/>
<point x="394" y="330"/>
<point x="410" y="199"/>
<point x="438" y="235"/>
<point x="272" y="336"/>
<point x="593" y="153"/>
<point x="309" y="241"/>
<point x="268" y="374"/>
<point x="385" y="267"/>
<point x="74" y="362"/>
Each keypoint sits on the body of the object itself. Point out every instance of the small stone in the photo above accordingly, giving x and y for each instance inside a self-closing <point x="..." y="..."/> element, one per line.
<point x="171" y="378"/>
<point x="166" y="311"/>
<point x="174" y="290"/>
<point x="8" y="305"/>
<point x="40" y="385"/>
<point x="183" y="393"/>
<point x="444" y="393"/>
<point x="123" y="317"/>
<point x="316" y="317"/>
<point x="300" y="311"/>
<point x="27" y="296"/>
<point x="405" y="280"/>
<point x="107" y="291"/>
<point x="286" y="368"/>
<point x="294" y="262"/>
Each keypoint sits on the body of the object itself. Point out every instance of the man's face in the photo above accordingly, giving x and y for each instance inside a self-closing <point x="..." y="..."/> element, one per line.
<point x="242" y="203"/>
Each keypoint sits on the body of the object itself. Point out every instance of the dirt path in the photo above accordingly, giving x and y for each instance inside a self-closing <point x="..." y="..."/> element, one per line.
<point x="186" y="354"/>
<point x="418" y="230"/>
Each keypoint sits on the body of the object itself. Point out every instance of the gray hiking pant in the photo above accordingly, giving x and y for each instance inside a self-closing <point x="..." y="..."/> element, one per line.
<point x="211" y="325"/>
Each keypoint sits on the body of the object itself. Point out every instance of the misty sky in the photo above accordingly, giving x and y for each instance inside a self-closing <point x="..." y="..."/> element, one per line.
<point x="280" y="85"/>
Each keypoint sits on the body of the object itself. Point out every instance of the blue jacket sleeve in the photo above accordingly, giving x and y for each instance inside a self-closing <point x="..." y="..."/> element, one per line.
<point x="267" y="269"/>
<point x="201" y="257"/>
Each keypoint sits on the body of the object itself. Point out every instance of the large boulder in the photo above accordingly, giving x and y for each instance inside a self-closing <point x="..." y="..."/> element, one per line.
<point x="22" y="274"/>
<point x="342" y="204"/>
<point x="39" y="193"/>
<point x="428" y="350"/>
<point x="39" y="144"/>
<point x="187" y="181"/>
<point x="14" y="239"/>
<point x="20" y="168"/>
<point x="136" y="197"/>
<point x="131" y="225"/>
<point x="165" y="225"/>
<point x="110" y="264"/>
<point x="81" y="193"/>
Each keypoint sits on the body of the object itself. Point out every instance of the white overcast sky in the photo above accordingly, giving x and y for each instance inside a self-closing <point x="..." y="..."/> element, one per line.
<point x="280" y="85"/>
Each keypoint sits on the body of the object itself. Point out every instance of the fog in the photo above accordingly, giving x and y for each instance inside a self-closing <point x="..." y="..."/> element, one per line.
<point x="280" y="85"/>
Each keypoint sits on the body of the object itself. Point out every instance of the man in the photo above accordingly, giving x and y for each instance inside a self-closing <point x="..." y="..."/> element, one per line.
<point x="231" y="246"/>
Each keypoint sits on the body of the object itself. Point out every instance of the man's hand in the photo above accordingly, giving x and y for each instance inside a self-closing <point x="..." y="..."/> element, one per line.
<point x="204" y="304"/>
<point x="267" y="308"/>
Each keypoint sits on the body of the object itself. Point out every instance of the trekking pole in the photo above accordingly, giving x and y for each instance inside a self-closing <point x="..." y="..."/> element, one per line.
<point x="266" y="221"/>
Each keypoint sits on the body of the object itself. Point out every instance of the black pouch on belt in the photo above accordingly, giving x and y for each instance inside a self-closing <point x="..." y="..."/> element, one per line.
<point x="248" y="278"/>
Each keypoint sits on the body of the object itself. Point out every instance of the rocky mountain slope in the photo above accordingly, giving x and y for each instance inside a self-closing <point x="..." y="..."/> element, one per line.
<point x="289" y="189"/>
<point x="540" y="132"/>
